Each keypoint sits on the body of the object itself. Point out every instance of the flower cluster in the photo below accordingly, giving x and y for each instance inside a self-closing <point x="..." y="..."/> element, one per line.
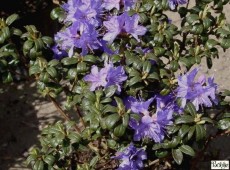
<point x="132" y="158"/>
<point x="198" y="92"/>
<point x="151" y="127"/>
<point x="89" y="30"/>
<point x="174" y="3"/>
<point x="107" y="76"/>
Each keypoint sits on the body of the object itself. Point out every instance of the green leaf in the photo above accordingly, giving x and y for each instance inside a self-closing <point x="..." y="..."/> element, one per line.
<point x="211" y="43"/>
<point x="158" y="38"/>
<point x="172" y="129"/>
<point x="28" y="45"/>
<point x="31" y="158"/>
<point x="111" y="143"/>
<point x="35" y="69"/>
<point x="39" y="165"/>
<point x="224" y="124"/>
<point x="125" y="119"/>
<point x="11" y="19"/>
<point x="161" y="153"/>
<point x="207" y="119"/>
<point x="225" y="43"/>
<point x="177" y="156"/>
<point x="191" y="132"/>
<point x="39" y="45"/>
<point x="109" y="108"/>
<point x="111" y="120"/>
<point x="94" y="161"/>
<point x="69" y="61"/>
<point x="200" y="132"/>
<point x="184" y="119"/>
<point x="207" y="23"/>
<point x="49" y="159"/>
<point x="153" y="76"/>
<point x="226" y="115"/>
<point x="159" y="51"/>
<point x="146" y="67"/>
<point x="7" y="77"/>
<point x="186" y="61"/>
<point x="90" y="58"/>
<point x="174" y="66"/>
<point x="119" y="130"/>
<point x="81" y="67"/>
<point x="187" y="150"/>
<point x="110" y="91"/>
<point x="72" y="73"/>
<point x="47" y="40"/>
<point x="52" y="72"/>
<point x="16" y="31"/>
<point x="134" y="80"/>
<point x="53" y="63"/>
<point x="197" y="29"/>
<point x="183" y="130"/>
<point x="175" y="141"/>
<point x="57" y="13"/>
<point x="74" y="137"/>
<point x="165" y="91"/>
<point x="192" y="18"/>
<point x="190" y="108"/>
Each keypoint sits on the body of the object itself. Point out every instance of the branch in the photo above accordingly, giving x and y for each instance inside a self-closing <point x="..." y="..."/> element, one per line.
<point x="62" y="112"/>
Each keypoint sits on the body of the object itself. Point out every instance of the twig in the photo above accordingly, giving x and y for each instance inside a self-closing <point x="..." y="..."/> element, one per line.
<point x="62" y="112"/>
<point x="154" y="162"/>
<point x="187" y="4"/>
<point x="80" y="116"/>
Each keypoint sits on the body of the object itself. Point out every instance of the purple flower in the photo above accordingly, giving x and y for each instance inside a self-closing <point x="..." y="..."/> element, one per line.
<point x="174" y="3"/>
<point x="80" y="36"/>
<point x="138" y="106"/>
<point x="196" y="92"/>
<point x="132" y="158"/>
<point x="83" y="12"/>
<point x="123" y="24"/>
<point x="129" y="4"/>
<point x="151" y="127"/>
<point x="58" y="54"/>
<point x="110" y="4"/>
<point x="115" y="76"/>
<point x="107" y="76"/>
<point x="65" y="40"/>
<point x="168" y="102"/>
<point x="87" y="40"/>
<point x="96" y="78"/>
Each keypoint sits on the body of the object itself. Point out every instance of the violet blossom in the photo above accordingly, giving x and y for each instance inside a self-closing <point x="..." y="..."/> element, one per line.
<point x="115" y="76"/>
<point x="152" y="127"/>
<point x="167" y="102"/>
<point x="58" y="54"/>
<point x="96" y="78"/>
<point x="107" y="76"/>
<point x="132" y="158"/>
<point x="83" y="37"/>
<point x="198" y="92"/>
<point x="123" y="24"/>
<point x="138" y="106"/>
<point x="174" y="3"/>
<point x="110" y="4"/>
<point x="83" y="12"/>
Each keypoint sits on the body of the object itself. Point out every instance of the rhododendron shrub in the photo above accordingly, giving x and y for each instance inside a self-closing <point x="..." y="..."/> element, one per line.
<point x="130" y="76"/>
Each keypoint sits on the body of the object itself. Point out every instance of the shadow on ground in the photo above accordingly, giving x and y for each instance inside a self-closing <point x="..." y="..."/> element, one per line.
<point x="22" y="116"/>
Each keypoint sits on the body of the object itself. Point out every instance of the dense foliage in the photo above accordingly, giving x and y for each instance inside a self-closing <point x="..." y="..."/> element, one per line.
<point x="129" y="73"/>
